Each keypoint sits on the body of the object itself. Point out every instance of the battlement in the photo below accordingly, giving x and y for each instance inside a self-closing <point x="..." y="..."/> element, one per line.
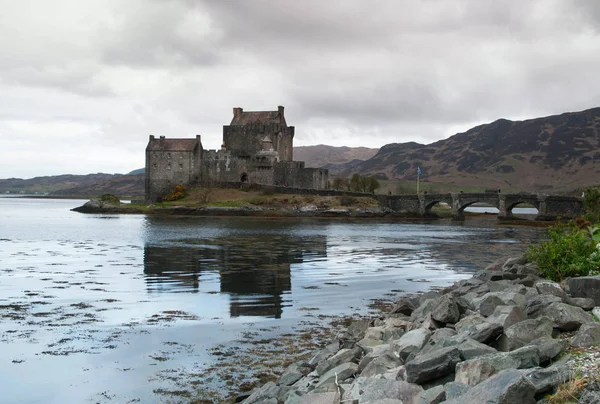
<point x="257" y="127"/>
<point x="213" y="154"/>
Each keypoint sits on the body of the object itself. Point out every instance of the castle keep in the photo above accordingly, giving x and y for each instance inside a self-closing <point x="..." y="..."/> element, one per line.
<point x="257" y="148"/>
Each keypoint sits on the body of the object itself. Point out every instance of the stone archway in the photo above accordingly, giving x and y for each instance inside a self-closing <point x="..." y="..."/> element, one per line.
<point x="244" y="177"/>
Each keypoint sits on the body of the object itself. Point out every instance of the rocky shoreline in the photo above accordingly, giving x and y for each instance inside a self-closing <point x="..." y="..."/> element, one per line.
<point x="504" y="336"/>
<point x="310" y="211"/>
<point x="96" y="206"/>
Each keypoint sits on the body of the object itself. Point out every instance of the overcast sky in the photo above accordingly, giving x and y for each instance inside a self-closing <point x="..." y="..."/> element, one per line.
<point x="84" y="82"/>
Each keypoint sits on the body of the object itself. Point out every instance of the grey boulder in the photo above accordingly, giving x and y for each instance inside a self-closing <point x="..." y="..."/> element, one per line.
<point x="520" y="334"/>
<point x="432" y="365"/>
<point x="546" y="287"/>
<point x="343" y="356"/>
<point x="547" y="379"/>
<point x="446" y="310"/>
<point x="507" y="315"/>
<point x="585" y="286"/>
<point x="368" y="390"/>
<point x="488" y="302"/>
<point x="539" y="302"/>
<point x="566" y="317"/>
<point x="411" y="342"/>
<point x="266" y="394"/>
<point x="339" y="373"/>
<point x="506" y="387"/>
<point x="381" y="365"/>
<point x="474" y="371"/>
<point x="587" y="335"/>
<point x="549" y="347"/>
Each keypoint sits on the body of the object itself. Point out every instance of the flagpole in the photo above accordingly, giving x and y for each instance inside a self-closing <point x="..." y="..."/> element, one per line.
<point x="418" y="175"/>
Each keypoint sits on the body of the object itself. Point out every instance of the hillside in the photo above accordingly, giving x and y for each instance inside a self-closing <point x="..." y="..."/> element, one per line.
<point x="322" y="155"/>
<point x="555" y="153"/>
<point x="132" y="184"/>
<point x="76" y="185"/>
<point x="122" y="185"/>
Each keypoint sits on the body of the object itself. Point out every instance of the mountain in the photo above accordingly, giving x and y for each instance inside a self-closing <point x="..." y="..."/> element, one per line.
<point x="132" y="184"/>
<point x="122" y="185"/>
<point x="557" y="153"/>
<point x="322" y="155"/>
<point x="553" y="153"/>
<point x="76" y="185"/>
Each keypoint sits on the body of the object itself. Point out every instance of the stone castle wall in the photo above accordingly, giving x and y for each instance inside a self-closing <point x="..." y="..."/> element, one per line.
<point x="166" y="169"/>
<point x="247" y="140"/>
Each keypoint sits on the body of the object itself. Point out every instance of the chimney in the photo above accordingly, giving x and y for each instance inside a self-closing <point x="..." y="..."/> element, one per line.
<point x="280" y="109"/>
<point x="237" y="111"/>
<point x="151" y="137"/>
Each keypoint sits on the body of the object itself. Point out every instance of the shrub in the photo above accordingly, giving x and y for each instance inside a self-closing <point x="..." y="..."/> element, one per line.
<point x="179" y="192"/>
<point x="110" y="199"/>
<point x="591" y="204"/>
<point x="569" y="252"/>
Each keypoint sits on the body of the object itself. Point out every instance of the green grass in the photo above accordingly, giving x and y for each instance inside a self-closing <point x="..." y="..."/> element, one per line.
<point x="228" y="204"/>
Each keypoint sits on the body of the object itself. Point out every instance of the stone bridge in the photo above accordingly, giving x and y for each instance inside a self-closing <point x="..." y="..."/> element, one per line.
<point x="550" y="207"/>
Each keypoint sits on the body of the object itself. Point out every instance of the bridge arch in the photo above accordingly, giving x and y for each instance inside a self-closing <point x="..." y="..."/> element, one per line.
<point x="514" y="205"/>
<point x="511" y="201"/>
<point x="428" y="201"/>
<point x="463" y="200"/>
<point x="431" y="204"/>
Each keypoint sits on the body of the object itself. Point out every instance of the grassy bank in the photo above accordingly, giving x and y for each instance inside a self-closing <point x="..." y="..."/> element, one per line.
<point x="238" y="198"/>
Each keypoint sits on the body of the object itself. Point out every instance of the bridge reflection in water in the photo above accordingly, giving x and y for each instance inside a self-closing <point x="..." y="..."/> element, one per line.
<point x="253" y="270"/>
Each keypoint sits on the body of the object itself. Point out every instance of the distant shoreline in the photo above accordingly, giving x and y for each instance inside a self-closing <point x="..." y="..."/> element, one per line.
<point x="19" y="196"/>
<point x="374" y="214"/>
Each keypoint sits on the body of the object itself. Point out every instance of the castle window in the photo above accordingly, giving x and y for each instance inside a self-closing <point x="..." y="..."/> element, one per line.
<point x="154" y="165"/>
<point x="168" y="166"/>
<point x="168" y="155"/>
<point x="181" y="165"/>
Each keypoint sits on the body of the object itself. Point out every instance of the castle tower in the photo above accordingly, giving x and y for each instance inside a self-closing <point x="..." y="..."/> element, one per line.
<point x="244" y="136"/>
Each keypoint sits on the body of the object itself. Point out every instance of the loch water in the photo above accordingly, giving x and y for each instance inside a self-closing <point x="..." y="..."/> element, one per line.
<point x="98" y="307"/>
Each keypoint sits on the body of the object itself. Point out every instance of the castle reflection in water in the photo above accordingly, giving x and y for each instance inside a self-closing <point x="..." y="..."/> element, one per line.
<point x="254" y="270"/>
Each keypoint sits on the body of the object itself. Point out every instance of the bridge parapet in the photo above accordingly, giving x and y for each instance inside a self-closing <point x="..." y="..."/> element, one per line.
<point x="549" y="207"/>
<point x="400" y="203"/>
<point x="552" y="207"/>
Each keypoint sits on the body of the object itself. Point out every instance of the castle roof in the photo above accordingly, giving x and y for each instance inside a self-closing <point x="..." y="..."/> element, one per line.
<point x="172" y="144"/>
<point x="241" y="117"/>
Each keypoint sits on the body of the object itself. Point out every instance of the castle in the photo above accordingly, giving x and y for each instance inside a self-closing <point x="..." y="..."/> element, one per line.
<point x="257" y="149"/>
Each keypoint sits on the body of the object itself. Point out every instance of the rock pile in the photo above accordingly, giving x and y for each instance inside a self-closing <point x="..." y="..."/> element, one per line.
<point x="495" y="338"/>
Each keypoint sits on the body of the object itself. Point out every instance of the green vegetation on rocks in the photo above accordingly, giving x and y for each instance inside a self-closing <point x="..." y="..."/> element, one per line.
<point x="572" y="249"/>
<point x="110" y="199"/>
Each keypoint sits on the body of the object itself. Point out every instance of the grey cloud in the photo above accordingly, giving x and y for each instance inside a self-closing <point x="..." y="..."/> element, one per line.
<point x="347" y="71"/>
<point x="432" y="60"/>
<point x="161" y="33"/>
